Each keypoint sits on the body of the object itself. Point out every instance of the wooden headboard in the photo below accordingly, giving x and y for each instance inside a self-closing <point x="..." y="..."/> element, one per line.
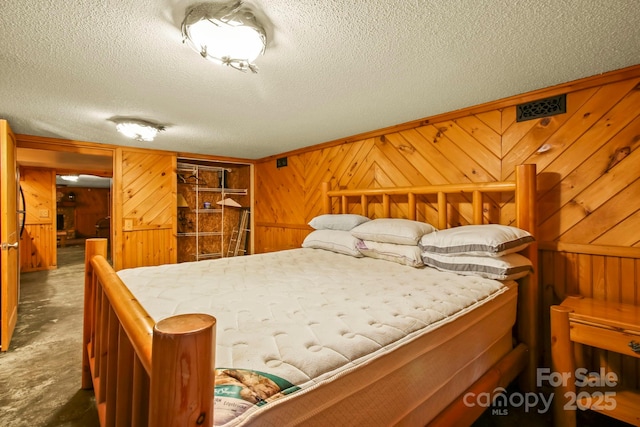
<point x="525" y="194"/>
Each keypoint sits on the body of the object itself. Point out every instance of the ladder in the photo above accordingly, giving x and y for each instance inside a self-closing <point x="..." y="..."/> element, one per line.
<point x="238" y="241"/>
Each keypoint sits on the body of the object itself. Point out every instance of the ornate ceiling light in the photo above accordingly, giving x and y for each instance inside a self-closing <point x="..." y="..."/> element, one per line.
<point x="140" y="130"/>
<point x="228" y="34"/>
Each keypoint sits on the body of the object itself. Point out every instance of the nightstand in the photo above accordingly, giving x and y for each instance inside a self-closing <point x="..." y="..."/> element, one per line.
<point x="601" y="324"/>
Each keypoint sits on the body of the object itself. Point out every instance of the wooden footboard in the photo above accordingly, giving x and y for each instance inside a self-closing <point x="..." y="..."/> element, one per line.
<point x="143" y="374"/>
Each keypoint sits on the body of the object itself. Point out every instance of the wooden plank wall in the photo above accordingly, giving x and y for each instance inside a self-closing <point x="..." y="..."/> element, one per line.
<point x="38" y="243"/>
<point x="588" y="179"/>
<point x="91" y="205"/>
<point x="587" y="163"/>
<point x="144" y="208"/>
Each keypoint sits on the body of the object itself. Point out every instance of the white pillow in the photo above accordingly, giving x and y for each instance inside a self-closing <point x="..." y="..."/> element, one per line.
<point x="507" y="267"/>
<point x="337" y="221"/>
<point x="393" y="230"/>
<point x="483" y="240"/>
<point x="402" y="254"/>
<point x="339" y="241"/>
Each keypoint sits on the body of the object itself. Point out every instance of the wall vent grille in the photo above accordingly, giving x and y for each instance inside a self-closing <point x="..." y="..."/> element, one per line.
<point x="542" y="108"/>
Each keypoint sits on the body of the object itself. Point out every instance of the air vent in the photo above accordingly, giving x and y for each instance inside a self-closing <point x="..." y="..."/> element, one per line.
<point x="542" y="108"/>
<point x="281" y="162"/>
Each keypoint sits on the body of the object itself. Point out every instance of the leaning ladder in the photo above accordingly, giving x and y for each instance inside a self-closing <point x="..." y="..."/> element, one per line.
<point x="238" y="239"/>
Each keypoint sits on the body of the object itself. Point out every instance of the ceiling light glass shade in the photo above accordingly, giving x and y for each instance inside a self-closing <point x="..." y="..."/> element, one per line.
<point x="138" y="129"/>
<point x="71" y="178"/>
<point x="228" y="34"/>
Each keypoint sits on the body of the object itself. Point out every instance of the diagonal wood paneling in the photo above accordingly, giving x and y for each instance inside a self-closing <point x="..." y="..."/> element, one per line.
<point x="587" y="162"/>
<point x="144" y="212"/>
<point x="38" y="186"/>
<point x="280" y="190"/>
<point x="147" y="188"/>
<point x="599" y="164"/>
<point x="38" y="243"/>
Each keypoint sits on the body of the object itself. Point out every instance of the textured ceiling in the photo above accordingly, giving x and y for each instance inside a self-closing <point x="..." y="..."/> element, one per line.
<point x="332" y="69"/>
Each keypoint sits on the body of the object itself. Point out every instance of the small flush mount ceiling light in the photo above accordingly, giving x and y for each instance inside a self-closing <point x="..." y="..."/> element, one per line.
<point x="70" y="178"/>
<point x="226" y="33"/>
<point x="139" y="130"/>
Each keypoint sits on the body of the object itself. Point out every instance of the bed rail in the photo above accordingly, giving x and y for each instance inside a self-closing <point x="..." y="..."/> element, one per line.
<point x="441" y="191"/>
<point x="525" y="191"/>
<point x="143" y="374"/>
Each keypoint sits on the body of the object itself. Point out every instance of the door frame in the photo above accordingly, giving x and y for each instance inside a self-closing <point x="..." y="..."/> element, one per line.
<point x="67" y="157"/>
<point x="9" y="236"/>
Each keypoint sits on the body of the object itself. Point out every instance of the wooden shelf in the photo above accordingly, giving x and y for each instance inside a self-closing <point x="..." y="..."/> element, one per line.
<point x="210" y="256"/>
<point x="206" y="220"/>
<point x="210" y="211"/>
<point x="202" y="233"/>
<point x="627" y="404"/>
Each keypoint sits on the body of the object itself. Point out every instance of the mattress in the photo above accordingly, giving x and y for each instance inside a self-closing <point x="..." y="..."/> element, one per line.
<point x="311" y="336"/>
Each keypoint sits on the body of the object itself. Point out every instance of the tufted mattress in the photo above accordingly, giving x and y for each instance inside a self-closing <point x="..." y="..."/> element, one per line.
<point x="308" y="336"/>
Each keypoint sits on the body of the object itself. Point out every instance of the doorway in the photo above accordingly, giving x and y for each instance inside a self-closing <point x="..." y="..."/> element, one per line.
<point x="61" y="212"/>
<point x="83" y="210"/>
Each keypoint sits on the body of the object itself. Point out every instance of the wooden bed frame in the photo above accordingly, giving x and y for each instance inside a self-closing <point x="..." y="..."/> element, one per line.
<point x="162" y="374"/>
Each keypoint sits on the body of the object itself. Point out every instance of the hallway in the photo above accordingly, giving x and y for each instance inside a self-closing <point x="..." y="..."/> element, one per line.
<point x="40" y="374"/>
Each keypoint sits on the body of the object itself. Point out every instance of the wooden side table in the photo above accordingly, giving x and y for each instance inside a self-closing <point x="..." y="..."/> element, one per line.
<point x="62" y="238"/>
<point x="606" y="325"/>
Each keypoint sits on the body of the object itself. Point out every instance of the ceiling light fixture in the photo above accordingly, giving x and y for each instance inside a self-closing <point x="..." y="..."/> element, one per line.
<point x="71" y="178"/>
<point x="139" y="130"/>
<point x="228" y="34"/>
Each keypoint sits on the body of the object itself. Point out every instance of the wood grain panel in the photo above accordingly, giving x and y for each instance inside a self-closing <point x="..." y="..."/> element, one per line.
<point x="38" y="187"/>
<point x="280" y="190"/>
<point x="91" y="205"/>
<point x="609" y="278"/>
<point x="38" y="244"/>
<point x="587" y="164"/>
<point x="517" y="151"/>
<point x="271" y="237"/>
<point x="148" y="247"/>
<point x="144" y="217"/>
<point x="36" y="251"/>
<point x="147" y="188"/>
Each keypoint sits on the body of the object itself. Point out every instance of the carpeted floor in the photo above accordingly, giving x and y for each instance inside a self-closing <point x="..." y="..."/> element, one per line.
<point x="40" y="374"/>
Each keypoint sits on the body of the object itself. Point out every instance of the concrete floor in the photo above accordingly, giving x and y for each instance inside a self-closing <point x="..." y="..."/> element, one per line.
<point x="40" y="374"/>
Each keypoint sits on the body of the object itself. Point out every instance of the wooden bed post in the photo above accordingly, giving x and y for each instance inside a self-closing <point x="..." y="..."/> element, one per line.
<point x="364" y="202"/>
<point x="326" y="200"/>
<point x="182" y="371"/>
<point x="411" y="201"/>
<point x="442" y="210"/>
<point x="528" y="293"/>
<point x="93" y="247"/>
<point x="562" y="361"/>
<point x="477" y="207"/>
<point x="386" y="206"/>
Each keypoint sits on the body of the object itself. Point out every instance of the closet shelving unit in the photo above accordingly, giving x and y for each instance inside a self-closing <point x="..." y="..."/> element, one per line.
<point x="209" y="234"/>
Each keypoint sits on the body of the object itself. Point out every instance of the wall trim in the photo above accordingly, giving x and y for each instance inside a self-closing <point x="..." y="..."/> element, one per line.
<point x="57" y="144"/>
<point x="281" y="225"/>
<point x="618" y="251"/>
